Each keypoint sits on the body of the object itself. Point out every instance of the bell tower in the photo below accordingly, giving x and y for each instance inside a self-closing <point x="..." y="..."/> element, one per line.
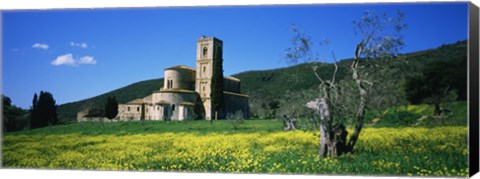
<point x="207" y="47"/>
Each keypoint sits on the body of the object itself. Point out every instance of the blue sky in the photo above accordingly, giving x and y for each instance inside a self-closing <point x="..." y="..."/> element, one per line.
<point x="78" y="54"/>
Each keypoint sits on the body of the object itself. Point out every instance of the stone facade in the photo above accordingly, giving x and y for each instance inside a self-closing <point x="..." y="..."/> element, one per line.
<point x="186" y="91"/>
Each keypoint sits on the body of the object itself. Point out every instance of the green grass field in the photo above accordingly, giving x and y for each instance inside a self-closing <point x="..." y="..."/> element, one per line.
<point x="255" y="146"/>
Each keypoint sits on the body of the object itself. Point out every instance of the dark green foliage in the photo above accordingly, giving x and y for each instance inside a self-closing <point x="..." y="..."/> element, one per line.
<point x="95" y="112"/>
<point x="439" y="81"/>
<point x="414" y="88"/>
<point x="14" y="118"/>
<point x="216" y="95"/>
<point x="111" y="107"/>
<point x="269" y="85"/>
<point x="44" y="111"/>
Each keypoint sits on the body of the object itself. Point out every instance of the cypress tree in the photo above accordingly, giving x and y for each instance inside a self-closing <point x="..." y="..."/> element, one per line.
<point x="44" y="110"/>
<point x="111" y="107"/>
<point x="33" y="113"/>
<point x="216" y="95"/>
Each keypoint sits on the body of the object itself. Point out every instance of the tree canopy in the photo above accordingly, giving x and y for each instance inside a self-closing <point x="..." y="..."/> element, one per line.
<point x="439" y="81"/>
<point x="216" y="95"/>
<point x="14" y="118"/>
<point x="43" y="111"/>
<point x="111" y="107"/>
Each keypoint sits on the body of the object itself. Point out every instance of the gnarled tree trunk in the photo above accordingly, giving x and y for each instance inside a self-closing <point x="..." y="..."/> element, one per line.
<point x="332" y="138"/>
<point x="289" y="123"/>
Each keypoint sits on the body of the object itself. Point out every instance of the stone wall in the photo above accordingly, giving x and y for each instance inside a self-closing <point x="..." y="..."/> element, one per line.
<point x="171" y="100"/>
<point x="231" y="84"/>
<point x="179" y="77"/>
<point x="129" y="112"/>
<point x="234" y="102"/>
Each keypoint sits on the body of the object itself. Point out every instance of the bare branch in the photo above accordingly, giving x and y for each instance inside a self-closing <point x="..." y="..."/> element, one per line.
<point x="336" y="67"/>
<point x="314" y="68"/>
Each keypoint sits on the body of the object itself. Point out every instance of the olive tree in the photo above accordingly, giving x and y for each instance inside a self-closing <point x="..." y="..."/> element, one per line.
<point x="345" y="101"/>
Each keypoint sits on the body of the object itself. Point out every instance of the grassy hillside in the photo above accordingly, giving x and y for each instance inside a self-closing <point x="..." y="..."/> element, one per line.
<point x="419" y="115"/>
<point x="272" y="82"/>
<point x="68" y="112"/>
<point x="267" y="86"/>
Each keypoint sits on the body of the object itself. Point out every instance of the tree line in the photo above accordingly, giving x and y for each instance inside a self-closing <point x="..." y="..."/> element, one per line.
<point x="42" y="113"/>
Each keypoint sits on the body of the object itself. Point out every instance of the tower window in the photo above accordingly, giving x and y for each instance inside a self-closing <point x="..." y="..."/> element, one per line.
<point x="169" y="83"/>
<point x="204" y="68"/>
<point x="205" y="50"/>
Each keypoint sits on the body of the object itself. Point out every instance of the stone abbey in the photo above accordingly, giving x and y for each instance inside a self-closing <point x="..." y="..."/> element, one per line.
<point x="186" y="91"/>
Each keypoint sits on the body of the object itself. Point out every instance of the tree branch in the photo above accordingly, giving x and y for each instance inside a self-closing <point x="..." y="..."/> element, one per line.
<point x="336" y="67"/>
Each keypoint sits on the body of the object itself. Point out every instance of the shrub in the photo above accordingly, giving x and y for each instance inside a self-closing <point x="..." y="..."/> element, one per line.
<point x="235" y="119"/>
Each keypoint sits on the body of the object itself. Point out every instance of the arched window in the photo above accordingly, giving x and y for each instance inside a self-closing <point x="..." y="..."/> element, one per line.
<point x="169" y="83"/>
<point x="205" y="50"/>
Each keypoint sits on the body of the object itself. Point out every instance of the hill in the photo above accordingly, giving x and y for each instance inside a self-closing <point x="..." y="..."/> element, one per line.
<point x="68" y="112"/>
<point x="267" y="88"/>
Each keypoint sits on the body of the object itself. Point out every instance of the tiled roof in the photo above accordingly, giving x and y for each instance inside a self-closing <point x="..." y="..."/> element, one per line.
<point x="231" y="78"/>
<point x="180" y="67"/>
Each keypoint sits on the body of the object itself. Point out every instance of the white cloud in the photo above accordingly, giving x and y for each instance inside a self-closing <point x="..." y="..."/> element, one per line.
<point x="81" y="45"/>
<point x="40" y="46"/>
<point x="88" y="60"/>
<point x="66" y="59"/>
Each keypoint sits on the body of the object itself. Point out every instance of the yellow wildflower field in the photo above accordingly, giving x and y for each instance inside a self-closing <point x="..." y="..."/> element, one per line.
<point x="439" y="151"/>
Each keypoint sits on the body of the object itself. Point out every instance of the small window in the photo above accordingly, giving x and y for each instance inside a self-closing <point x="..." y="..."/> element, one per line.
<point x="128" y="108"/>
<point x="205" y="51"/>
<point x="146" y="110"/>
<point x="173" y="107"/>
<point x="170" y="84"/>
<point x="138" y="109"/>
<point x="204" y="68"/>
<point x="158" y="108"/>
<point x="203" y="89"/>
